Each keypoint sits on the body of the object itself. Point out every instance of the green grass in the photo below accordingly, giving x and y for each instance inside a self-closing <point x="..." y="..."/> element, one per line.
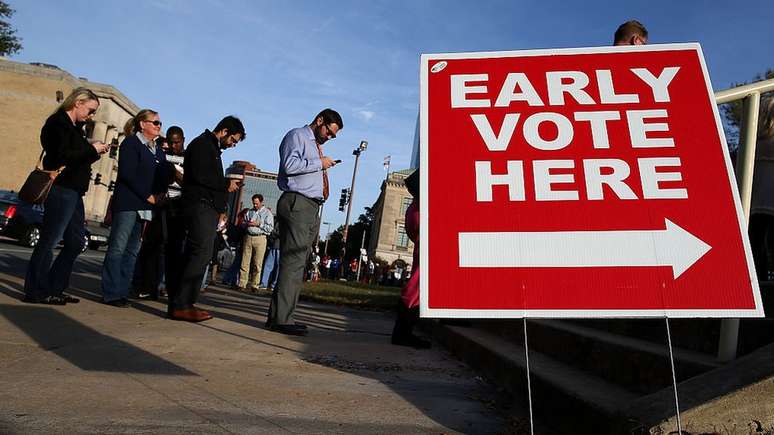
<point x="357" y="295"/>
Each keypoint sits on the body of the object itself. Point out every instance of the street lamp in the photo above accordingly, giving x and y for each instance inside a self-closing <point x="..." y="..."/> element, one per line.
<point x="327" y="237"/>
<point x="360" y="148"/>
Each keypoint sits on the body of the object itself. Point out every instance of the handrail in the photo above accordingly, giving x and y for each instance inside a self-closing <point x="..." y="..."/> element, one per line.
<point x="751" y="94"/>
<point x="739" y="92"/>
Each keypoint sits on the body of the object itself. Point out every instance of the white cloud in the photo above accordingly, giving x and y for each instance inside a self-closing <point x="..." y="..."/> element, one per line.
<point x="366" y="115"/>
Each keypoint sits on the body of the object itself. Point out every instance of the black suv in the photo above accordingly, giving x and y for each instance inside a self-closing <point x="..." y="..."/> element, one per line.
<point x="22" y="221"/>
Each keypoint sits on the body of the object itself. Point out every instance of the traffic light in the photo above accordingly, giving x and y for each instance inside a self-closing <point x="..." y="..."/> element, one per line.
<point x="98" y="179"/>
<point x="343" y="199"/>
<point x="111" y="186"/>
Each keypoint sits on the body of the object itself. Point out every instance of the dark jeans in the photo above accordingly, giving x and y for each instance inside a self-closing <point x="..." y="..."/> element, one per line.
<point x="297" y="216"/>
<point x="270" y="268"/>
<point x="121" y="256"/>
<point x="150" y="258"/>
<point x="201" y="223"/>
<point x="231" y="277"/>
<point x="63" y="219"/>
<point x="173" y="251"/>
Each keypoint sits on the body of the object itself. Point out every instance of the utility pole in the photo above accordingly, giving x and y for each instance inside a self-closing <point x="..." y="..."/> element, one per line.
<point x="327" y="237"/>
<point x="319" y="224"/>
<point x="360" y="257"/>
<point x="362" y="147"/>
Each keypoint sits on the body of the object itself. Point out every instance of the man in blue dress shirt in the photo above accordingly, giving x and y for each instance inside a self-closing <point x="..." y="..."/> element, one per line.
<point x="304" y="180"/>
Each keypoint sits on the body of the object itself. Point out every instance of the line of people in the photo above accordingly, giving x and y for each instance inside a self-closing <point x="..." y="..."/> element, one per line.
<point x="173" y="205"/>
<point x="178" y="202"/>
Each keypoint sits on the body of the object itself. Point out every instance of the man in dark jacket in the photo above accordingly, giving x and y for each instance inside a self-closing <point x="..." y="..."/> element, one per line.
<point x="204" y="194"/>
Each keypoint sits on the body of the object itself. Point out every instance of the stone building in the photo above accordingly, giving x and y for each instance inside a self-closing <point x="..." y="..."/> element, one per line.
<point x="255" y="181"/>
<point x="389" y="240"/>
<point x="29" y="93"/>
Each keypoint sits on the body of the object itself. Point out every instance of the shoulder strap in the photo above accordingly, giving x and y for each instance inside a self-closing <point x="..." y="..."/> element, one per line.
<point x="40" y="164"/>
<point x="40" y="159"/>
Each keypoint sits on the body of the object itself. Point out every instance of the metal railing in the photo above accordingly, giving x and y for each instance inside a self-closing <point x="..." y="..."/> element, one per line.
<point x="745" y="161"/>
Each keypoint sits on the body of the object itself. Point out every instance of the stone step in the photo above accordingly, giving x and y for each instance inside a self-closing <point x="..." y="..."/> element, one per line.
<point x="698" y="335"/>
<point x="565" y="397"/>
<point x="638" y="365"/>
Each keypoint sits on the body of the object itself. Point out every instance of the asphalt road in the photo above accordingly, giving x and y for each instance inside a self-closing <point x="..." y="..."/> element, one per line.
<point x="91" y="368"/>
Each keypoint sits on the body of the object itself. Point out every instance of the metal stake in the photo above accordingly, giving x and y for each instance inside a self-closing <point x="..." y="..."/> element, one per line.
<point x="674" y="376"/>
<point x="529" y="383"/>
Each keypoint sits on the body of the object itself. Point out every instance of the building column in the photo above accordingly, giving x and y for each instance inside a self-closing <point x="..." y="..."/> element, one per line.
<point x="95" y="199"/>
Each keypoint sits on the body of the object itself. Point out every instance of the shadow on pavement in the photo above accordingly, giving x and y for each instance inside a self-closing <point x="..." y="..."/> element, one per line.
<point x="83" y="346"/>
<point x="341" y="339"/>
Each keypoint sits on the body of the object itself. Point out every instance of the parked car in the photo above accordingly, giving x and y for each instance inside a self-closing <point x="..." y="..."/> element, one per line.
<point x="22" y="221"/>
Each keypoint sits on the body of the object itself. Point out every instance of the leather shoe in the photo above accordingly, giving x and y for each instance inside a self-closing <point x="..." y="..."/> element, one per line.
<point x="118" y="303"/>
<point x="204" y="315"/>
<point x="70" y="299"/>
<point x="290" y="330"/>
<point x="190" y="315"/>
<point x="411" y="340"/>
<point x="48" y="300"/>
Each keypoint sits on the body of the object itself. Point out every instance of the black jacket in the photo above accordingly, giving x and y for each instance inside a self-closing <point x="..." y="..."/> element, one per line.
<point x="140" y="174"/>
<point x="203" y="178"/>
<point x="66" y="145"/>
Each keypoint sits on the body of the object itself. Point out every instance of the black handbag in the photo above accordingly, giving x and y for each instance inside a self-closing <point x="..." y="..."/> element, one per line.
<point x="38" y="183"/>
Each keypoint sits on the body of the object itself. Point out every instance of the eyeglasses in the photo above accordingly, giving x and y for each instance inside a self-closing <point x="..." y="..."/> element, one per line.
<point x="331" y="134"/>
<point x="156" y="122"/>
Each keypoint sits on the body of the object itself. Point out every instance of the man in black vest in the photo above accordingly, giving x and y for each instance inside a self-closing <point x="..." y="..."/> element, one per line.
<point x="204" y="195"/>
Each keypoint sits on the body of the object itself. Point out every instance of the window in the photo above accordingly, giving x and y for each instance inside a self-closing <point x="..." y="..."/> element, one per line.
<point x="404" y="205"/>
<point x="401" y="240"/>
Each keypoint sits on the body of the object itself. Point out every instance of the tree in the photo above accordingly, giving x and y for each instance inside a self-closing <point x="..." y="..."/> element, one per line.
<point x="356" y="231"/>
<point x="335" y="243"/>
<point x="733" y="112"/>
<point x="9" y="42"/>
<point x="354" y="236"/>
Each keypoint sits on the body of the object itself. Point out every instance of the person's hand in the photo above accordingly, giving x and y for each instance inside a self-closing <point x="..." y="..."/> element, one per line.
<point x="327" y="162"/>
<point x="151" y="199"/>
<point x="222" y="221"/>
<point x="233" y="185"/>
<point x="101" y="147"/>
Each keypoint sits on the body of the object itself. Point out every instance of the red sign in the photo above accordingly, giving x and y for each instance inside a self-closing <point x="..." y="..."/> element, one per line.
<point x="589" y="182"/>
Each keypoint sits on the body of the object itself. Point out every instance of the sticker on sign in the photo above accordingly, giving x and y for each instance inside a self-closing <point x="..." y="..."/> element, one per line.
<point x="589" y="182"/>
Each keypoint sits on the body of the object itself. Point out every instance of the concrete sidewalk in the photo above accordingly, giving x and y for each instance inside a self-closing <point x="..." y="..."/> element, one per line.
<point x="92" y="368"/>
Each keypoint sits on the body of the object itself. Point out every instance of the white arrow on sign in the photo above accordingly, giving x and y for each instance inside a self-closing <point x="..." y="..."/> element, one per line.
<point x="673" y="247"/>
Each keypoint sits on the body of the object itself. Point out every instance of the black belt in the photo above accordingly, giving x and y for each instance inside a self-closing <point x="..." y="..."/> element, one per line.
<point x="314" y="200"/>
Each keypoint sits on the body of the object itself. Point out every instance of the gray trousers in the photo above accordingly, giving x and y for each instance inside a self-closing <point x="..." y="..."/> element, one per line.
<point x="297" y="216"/>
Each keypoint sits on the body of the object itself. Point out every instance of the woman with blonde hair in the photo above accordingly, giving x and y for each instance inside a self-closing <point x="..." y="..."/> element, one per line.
<point x="140" y="185"/>
<point x="761" y="228"/>
<point x="65" y="145"/>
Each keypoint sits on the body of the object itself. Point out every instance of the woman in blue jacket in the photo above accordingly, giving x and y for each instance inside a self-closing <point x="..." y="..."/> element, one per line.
<point x="141" y="184"/>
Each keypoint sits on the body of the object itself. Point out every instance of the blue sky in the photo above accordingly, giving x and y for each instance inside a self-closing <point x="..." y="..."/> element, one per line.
<point x="275" y="64"/>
